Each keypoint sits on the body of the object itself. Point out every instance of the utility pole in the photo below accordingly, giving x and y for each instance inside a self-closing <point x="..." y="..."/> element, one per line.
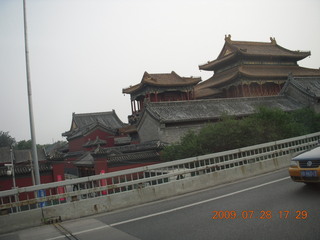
<point x="33" y="137"/>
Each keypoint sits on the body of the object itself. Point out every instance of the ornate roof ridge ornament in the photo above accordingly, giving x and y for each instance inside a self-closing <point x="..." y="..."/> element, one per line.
<point x="273" y="40"/>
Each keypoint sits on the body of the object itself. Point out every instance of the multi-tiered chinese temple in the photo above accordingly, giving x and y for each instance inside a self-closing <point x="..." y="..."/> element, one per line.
<point x="251" y="69"/>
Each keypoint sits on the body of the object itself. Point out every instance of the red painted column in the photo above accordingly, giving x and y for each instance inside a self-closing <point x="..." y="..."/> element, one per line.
<point x="249" y="89"/>
<point x="242" y="90"/>
<point x="60" y="188"/>
<point x="103" y="182"/>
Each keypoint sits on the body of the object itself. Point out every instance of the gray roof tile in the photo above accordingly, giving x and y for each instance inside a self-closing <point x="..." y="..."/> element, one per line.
<point x="211" y="109"/>
<point x="85" y="122"/>
<point x="310" y="85"/>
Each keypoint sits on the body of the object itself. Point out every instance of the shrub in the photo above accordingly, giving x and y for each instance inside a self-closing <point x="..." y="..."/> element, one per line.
<point x="263" y="126"/>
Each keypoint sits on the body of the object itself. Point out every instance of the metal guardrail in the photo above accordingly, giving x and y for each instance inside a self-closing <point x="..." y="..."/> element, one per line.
<point x="44" y="195"/>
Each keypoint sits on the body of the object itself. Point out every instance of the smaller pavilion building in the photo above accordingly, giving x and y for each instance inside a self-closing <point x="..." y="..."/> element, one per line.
<point x="98" y="142"/>
<point x="89" y="131"/>
<point x="161" y="87"/>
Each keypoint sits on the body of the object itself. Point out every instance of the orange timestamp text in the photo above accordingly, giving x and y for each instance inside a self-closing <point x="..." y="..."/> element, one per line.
<point x="263" y="214"/>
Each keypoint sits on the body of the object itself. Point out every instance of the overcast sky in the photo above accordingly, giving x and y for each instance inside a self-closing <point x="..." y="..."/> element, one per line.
<point x="84" y="52"/>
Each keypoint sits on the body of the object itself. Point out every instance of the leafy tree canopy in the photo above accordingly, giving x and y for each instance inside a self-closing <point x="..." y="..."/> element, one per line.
<point x="6" y="140"/>
<point x="24" y="145"/>
<point x="266" y="125"/>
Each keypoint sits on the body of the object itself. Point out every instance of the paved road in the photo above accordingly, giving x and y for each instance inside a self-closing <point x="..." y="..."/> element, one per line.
<point x="269" y="206"/>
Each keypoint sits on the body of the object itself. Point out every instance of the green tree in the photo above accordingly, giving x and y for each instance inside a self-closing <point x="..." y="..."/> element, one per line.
<point x="190" y="146"/>
<point x="24" y="145"/>
<point x="274" y="124"/>
<point x="265" y="125"/>
<point x="220" y="136"/>
<point x="308" y="119"/>
<point x="6" y="140"/>
<point x="187" y="147"/>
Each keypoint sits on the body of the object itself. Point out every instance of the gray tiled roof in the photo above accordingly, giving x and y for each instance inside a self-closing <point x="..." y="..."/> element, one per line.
<point x="309" y="85"/>
<point x="85" y="122"/>
<point x="132" y="148"/>
<point x="78" y="132"/>
<point x="164" y="80"/>
<point x="122" y="140"/>
<point x="19" y="155"/>
<point x="85" y="160"/>
<point x="134" y="153"/>
<point x="21" y="158"/>
<point x="26" y="169"/>
<point x="109" y="119"/>
<point x="56" y="151"/>
<point x="135" y="157"/>
<point x="211" y="109"/>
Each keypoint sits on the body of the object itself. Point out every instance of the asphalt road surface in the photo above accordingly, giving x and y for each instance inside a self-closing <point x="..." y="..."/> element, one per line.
<point x="269" y="206"/>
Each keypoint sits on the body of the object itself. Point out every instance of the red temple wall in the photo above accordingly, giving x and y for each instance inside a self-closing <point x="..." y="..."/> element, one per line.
<point x="58" y="170"/>
<point x="24" y="180"/>
<point x="76" y="144"/>
<point x="100" y="164"/>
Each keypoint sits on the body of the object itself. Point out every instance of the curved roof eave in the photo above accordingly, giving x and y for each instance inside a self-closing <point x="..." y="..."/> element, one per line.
<point x="193" y="81"/>
<point x="297" y="57"/>
<point x="210" y="66"/>
<point x="132" y="88"/>
<point x="219" y="78"/>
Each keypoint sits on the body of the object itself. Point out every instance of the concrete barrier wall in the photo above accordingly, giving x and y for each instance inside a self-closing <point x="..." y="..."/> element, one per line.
<point x="21" y="220"/>
<point x="77" y="209"/>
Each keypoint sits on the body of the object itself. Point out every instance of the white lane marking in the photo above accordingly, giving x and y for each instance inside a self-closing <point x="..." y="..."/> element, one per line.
<point x="173" y="209"/>
<point x="197" y="203"/>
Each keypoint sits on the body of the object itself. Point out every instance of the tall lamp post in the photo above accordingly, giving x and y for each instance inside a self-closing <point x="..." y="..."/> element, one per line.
<point x="33" y="137"/>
